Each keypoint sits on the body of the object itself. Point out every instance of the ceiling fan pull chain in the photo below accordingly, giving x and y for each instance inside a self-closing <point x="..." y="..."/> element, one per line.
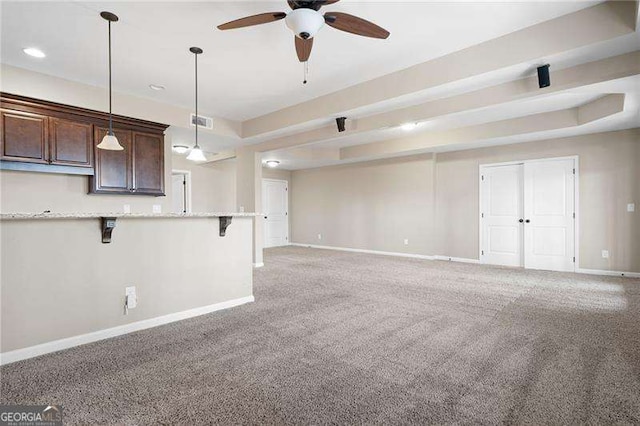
<point x="306" y="72"/>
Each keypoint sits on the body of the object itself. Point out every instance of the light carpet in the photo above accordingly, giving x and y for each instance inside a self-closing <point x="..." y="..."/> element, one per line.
<point x="348" y="338"/>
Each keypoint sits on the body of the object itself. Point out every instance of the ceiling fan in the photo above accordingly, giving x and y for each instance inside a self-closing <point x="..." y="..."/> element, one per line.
<point x="305" y="21"/>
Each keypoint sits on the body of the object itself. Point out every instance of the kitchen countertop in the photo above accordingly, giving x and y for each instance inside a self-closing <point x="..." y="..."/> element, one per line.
<point x="40" y="216"/>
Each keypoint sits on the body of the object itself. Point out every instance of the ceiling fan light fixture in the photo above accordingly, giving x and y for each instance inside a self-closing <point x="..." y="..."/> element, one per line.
<point x="272" y="163"/>
<point x="305" y="23"/>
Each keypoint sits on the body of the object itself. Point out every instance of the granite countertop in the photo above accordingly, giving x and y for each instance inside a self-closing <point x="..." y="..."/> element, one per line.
<point x="26" y="216"/>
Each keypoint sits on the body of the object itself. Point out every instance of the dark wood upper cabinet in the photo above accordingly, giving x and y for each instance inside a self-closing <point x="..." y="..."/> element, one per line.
<point x="148" y="163"/>
<point x="43" y="136"/>
<point x="23" y="137"/>
<point x="113" y="168"/>
<point x="70" y="142"/>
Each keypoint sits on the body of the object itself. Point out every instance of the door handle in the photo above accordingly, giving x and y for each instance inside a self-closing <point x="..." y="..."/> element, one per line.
<point x="521" y="220"/>
<point x="527" y="221"/>
<point x="265" y="217"/>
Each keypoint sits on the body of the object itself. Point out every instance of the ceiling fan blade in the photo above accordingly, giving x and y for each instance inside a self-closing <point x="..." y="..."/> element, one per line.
<point x="303" y="48"/>
<point x="326" y="2"/>
<point x="263" y="18"/>
<point x="292" y="4"/>
<point x="354" y="25"/>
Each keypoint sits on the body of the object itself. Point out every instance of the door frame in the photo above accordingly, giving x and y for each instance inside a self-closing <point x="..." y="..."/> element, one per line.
<point x="286" y="182"/>
<point x="576" y="200"/>
<point x="187" y="174"/>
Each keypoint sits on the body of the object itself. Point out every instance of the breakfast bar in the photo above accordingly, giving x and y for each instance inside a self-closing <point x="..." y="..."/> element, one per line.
<point x="65" y="276"/>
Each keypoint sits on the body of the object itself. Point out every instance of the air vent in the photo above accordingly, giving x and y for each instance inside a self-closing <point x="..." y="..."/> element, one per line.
<point x="205" y="122"/>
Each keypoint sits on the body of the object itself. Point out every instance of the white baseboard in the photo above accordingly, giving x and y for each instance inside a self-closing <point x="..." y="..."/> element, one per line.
<point x="608" y="273"/>
<point x="384" y="253"/>
<point x="258" y="265"/>
<point x="460" y="259"/>
<point x="456" y="259"/>
<point x="58" y="345"/>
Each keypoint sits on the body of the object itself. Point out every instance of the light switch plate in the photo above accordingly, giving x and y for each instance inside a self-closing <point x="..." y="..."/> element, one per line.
<point x="631" y="207"/>
<point x="319" y="236"/>
<point x="157" y="208"/>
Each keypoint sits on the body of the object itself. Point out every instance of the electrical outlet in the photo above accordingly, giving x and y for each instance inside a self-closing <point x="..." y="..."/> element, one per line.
<point x="406" y="241"/>
<point x="126" y="208"/>
<point x="319" y="236"/>
<point x="605" y="254"/>
<point x="157" y="208"/>
<point x="131" y="299"/>
<point x="631" y="207"/>
<point x="241" y="209"/>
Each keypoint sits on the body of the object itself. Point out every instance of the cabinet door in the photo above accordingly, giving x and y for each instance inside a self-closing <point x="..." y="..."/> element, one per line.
<point x="148" y="163"/>
<point x="113" y="168"/>
<point x="23" y="137"/>
<point x="71" y="142"/>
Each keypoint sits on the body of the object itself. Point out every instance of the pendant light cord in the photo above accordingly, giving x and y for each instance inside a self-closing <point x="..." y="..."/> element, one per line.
<point x="196" y="55"/>
<point x="110" y="114"/>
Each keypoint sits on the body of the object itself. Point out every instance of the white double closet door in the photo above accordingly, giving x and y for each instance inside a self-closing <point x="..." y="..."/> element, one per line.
<point x="528" y="214"/>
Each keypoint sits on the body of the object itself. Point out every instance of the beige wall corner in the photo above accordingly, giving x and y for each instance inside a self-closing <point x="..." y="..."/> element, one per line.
<point x="249" y="193"/>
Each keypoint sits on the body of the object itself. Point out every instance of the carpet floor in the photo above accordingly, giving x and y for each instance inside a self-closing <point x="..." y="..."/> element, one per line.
<point x="349" y="338"/>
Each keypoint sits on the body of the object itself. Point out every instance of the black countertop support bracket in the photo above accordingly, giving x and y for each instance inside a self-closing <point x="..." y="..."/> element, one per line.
<point x="225" y="221"/>
<point x="108" y="223"/>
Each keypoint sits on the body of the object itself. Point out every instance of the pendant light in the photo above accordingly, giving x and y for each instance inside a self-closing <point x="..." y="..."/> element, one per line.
<point x="110" y="142"/>
<point x="196" y="153"/>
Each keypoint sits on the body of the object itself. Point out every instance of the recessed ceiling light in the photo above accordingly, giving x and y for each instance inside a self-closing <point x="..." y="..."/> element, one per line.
<point x="156" y="87"/>
<point x="409" y="126"/>
<point x="180" y="149"/>
<point x="272" y="163"/>
<point x="33" y="51"/>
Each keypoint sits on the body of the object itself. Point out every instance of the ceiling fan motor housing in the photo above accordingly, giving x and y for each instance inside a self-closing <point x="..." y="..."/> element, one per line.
<point x="305" y="23"/>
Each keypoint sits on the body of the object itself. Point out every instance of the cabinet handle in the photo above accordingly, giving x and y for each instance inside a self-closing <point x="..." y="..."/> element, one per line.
<point x="527" y="221"/>
<point x="521" y="220"/>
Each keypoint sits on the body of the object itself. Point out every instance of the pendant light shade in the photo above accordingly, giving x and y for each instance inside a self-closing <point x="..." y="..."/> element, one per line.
<point x="196" y="153"/>
<point x="110" y="142"/>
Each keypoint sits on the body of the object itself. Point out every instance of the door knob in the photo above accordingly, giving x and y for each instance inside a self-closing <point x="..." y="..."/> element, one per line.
<point x="521" y="220"/>
<point x="527" y="221"/>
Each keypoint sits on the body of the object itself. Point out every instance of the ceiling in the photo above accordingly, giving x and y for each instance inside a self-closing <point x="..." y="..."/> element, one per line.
<point x="252" y="76"/>
<point x="252" y="71"/>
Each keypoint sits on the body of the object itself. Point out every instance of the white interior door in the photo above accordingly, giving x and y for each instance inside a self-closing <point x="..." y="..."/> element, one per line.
<point x="275" y="202"/>
<point x="179" y="201"/>
<point x="549" y="230"/>
<point x="501" y="213"/>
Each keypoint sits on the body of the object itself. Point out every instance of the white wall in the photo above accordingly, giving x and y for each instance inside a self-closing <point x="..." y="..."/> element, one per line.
<point x="375" y="205"/>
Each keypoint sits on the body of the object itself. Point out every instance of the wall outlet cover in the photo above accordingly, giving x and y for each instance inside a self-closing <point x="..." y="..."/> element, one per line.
<point x="605" y="254"/>
<point x="126" y="208"/>
<point x="131" y="297"/>
<point x="157" y="208"/>
<point x="631" y="207"/>
<point x="319" y="236"/>
<point x="406" y="241"/>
